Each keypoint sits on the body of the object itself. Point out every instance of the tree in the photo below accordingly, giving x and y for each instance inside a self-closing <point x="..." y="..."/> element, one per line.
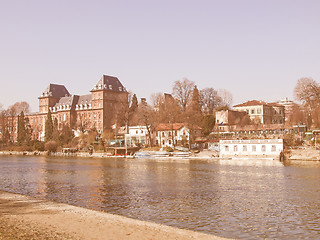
<point x="195" y="101"/>
<point x="208" y="122"/>
<point x="307" y="91"/>
<point x="66" y="135"/>
<point x="21" y="129"/>
<point x="146" y="118"/>
<point x="209" y="100"/>
<point x="182" y="91"/>
<point x="226" y="97"/>
<point x="48" y="127"/>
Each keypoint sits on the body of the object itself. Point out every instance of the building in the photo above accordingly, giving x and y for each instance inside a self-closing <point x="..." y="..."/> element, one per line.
<point x="258" y="148"/>
<point x="175" y="134"/>
<point x="137" y="136"/>
<point x="229" y="120"/>
<point x="263" y="113"/>
<point x="97" y="110"/>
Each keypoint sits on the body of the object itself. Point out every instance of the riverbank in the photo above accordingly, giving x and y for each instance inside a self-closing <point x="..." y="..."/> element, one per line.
<point x="308" y="155"/>
<point x="23" y="217"/>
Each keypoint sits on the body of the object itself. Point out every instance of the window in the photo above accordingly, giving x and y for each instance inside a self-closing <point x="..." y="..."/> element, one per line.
<point x="226" y="148"/>
<point x="170" y="142"/>
<point x="235" y="148"/>
<point x="273" y="148"/>
<point x="263" y="148"/>
<point x="136" y="131"/>
<point x="244" y="148"/>
<point x="259" y="111"/>
<point x="162" y="134"/>
<point x="252" y="111"/>
<point x="254" y="148"/>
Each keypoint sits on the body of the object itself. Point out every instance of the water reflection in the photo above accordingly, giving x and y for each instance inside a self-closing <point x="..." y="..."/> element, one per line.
<point x="235" y="199"/>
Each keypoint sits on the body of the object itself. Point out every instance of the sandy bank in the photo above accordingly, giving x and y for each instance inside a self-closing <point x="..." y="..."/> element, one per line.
<point x="23" y="217"/>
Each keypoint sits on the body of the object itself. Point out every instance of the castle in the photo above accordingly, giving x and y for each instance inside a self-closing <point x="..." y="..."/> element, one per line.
<point x="96" y="110"/>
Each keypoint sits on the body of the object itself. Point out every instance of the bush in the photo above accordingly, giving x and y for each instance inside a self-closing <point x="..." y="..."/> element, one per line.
<point x="38" y="146"/>
<point x="51" y="146"/>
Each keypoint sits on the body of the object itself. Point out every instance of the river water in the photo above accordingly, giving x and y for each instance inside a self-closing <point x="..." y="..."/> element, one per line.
<point x="235" y="199"/>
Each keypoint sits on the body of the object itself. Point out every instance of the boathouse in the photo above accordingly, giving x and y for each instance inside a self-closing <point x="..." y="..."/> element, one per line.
<point x="255" y="148"/>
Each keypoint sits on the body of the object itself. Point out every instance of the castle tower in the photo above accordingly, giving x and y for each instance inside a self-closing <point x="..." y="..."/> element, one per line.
<point x="51" y="96"/>
<point x="106" y="97"/>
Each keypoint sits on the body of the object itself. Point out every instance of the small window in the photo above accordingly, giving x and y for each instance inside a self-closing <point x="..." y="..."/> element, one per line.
<point x="235" y="148"/>
<point x="252" y="111"/>
<point x="169" y="141"/>
<point x="273" y="148"/>
<point x="162" y="134"/>
<point x="263" y="148"/>
<point x="254" y="148"/>
<point x="226" y="148"/>
<point x="244" y="148"/>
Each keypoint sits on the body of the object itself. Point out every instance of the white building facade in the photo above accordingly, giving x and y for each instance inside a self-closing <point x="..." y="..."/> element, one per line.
<point x="137" y="136"/>
<point x="176" y="134"/>
<point x="257" y="148"/>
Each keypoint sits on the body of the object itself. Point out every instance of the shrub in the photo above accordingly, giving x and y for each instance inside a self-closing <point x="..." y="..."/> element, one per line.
<point x="51" y="146"/>
<point x="38" y="146"/>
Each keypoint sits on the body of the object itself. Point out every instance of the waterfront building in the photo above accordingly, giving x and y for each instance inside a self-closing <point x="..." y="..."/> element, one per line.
<point x="137" y="136"/>
<point x="175" y="134"/>
<point x="97" y="110"/>
<point x="255" y="148"/>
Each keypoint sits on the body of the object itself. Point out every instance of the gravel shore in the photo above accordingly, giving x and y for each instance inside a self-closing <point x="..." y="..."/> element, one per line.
<point x="23" y="217"/>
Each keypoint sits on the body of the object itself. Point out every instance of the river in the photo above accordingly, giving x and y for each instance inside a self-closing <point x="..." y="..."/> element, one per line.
<point x="235" y="199"/>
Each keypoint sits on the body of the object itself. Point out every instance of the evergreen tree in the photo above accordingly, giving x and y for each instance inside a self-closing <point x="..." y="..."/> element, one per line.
<point x="134" y="104"/>
<point x="132" y="118"/>
<point x="55" y="130"/>
<point x="49" y="128"/>
<point x="21" y="129"/>
<point x="195" y="102"/>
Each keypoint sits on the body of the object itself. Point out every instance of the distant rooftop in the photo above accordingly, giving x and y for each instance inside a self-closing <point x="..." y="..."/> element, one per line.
<point x="55" y="91"/>
<point x="109" y="83"/>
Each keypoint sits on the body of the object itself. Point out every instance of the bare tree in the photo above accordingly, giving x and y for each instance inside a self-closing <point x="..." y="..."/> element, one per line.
<point x="307" y="91"/>
<point x="157" y="99"/>
<point x="146" y="118"/>
<point x="209" y="100"/>
<point x="226" y="97"/>
<point x="182" y="91"/>
<point x="19" y="107"/>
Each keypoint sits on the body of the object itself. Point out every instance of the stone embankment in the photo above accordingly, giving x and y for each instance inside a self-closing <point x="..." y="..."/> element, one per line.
<point x="23" y="217"/>
<point x="303" y="154"/>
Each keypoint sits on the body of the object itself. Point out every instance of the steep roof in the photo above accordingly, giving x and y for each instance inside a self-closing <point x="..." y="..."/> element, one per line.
<point x="109" y="83"/>
<point x="174" y="126"/>
<point x="251" y="103"/>
<point x="84" y="99"/>
<point x="69" y="100"/>
<point x="55" y="91"/>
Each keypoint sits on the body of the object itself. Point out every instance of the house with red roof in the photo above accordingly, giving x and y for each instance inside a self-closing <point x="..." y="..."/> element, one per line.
<point x="262" y="113"/>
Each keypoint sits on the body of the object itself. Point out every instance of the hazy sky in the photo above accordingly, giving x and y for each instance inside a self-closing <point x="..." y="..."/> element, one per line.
<point x="256" y="49"/>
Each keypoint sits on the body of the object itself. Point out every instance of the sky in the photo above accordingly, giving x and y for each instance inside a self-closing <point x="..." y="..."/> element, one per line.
<point x="255" y="49"/>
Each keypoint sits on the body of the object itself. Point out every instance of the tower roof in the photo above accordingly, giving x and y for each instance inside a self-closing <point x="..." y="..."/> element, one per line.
<point x="55" y="91"/>
<point x="109" y="83"/>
